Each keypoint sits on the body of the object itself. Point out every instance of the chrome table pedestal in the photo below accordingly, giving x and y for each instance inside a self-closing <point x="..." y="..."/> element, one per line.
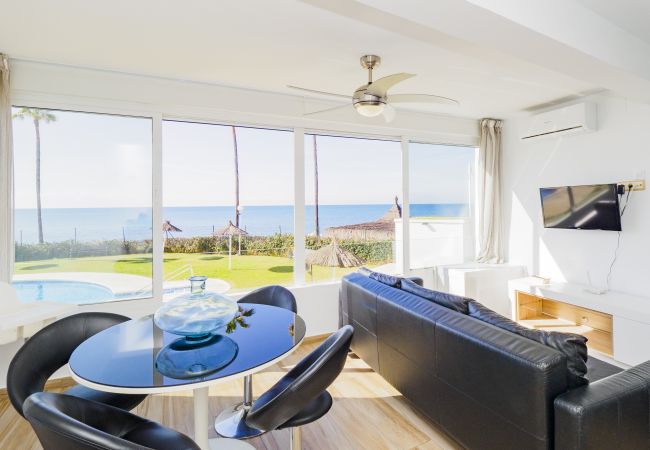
<point x="231" y="423"/>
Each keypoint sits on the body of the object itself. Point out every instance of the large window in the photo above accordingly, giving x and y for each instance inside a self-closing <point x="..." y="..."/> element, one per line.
<point x="228" y="205"/>
<point x="85" y="206"/>
<point x="441" y="186"/>
<point x="351" y="191"/>
<point x="83" y="199"/>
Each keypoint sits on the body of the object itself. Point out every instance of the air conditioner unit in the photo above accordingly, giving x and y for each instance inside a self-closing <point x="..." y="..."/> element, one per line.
<point x="567" y="120"/>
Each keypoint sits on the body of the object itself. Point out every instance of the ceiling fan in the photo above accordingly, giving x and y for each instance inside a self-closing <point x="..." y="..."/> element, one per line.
<point x="372" y="99"/>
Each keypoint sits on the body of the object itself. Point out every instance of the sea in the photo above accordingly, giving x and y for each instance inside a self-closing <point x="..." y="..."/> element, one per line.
<point x="93" y="224"/>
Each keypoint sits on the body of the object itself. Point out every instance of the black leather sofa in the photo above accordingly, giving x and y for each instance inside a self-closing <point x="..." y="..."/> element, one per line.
<point x="487" y="387"/>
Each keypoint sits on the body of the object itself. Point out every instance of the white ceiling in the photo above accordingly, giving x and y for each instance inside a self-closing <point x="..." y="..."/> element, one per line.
<point x="631" y="15"/>
<point x="265" y="45"/>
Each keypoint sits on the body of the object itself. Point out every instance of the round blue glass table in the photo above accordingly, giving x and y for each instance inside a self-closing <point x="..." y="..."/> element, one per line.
<point x="123" y="359"/>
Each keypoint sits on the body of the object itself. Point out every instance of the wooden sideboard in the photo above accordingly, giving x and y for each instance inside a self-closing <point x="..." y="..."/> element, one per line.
<point x="616" y="324"/>
<point x="552" y="315"/>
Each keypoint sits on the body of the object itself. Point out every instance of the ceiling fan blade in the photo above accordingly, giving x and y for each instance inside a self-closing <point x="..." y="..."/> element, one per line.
<point x="421" y="98"/>
<point x="327" y="109"/>
<point x="381" y="86"/>
<point x="389" y="113"/>
<point x="313" y="91"/>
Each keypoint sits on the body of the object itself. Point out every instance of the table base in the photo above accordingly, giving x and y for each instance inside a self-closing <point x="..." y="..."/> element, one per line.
<point x="201" y="424"/>
<point x="231" y="423"/>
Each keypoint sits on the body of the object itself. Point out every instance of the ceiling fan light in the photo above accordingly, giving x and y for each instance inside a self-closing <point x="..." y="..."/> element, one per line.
<point x="369" y="109"/>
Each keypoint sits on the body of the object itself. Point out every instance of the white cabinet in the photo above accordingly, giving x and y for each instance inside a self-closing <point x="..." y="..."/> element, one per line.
<point x="631" y="341"/>
<point x="486" y="283"/>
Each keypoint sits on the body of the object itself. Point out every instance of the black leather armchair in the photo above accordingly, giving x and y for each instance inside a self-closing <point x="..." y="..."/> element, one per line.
<point x="300" y="397"/>
<point x="231" y="423"/>
<point x="66" y="422"/>
<point x="50" y="349"/>
<point x="272" y="295"/>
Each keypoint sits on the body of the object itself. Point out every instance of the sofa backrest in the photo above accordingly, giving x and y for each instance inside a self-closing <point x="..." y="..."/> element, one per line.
<point x="486" y="386"/>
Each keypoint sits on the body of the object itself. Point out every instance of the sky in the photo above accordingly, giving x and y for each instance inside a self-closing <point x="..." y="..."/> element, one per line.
<point x="87" y="160"/>
<point x="99" y="161"/>
<point x="440" y="173"/>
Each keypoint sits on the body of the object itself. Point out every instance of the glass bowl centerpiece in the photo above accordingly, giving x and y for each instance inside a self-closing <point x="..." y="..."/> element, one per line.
<point x="196" y="316"/>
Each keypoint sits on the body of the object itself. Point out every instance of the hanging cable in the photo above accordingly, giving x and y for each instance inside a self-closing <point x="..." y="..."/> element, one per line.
<point x="627" y="201"/>
<point x="618" y="239"/>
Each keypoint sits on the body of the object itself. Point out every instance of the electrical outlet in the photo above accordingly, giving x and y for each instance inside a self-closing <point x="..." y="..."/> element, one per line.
<point x="637" y="185"/>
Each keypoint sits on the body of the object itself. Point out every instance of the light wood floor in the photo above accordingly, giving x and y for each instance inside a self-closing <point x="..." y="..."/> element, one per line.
<point x="368" y="413"/>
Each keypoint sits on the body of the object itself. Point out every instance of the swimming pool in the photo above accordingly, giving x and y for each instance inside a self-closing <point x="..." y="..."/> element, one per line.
<point x="83" y="292"/>
<point x="74" y="292"/>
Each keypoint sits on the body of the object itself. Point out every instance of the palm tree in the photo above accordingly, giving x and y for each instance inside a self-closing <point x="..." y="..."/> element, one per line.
<point x="316" y="191"/>
<point x="37" y="116"/>
<point x="234" y="142"/>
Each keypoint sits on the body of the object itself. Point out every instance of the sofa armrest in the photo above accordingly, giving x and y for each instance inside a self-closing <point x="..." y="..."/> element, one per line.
<point x="613" y="412"/>
<point x="417" y="280"/>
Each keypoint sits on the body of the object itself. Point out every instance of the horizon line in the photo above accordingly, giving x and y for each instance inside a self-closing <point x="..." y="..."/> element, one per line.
<point x="245" y="206"/>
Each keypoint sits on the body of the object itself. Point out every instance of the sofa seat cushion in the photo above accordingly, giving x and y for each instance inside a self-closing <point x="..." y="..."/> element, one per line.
<point x="573" y="346"/>
<point x="453" y="302"/>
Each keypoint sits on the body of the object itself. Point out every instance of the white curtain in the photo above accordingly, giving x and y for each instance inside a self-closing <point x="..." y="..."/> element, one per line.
<point x="6" y="176"/>
<point x="489" y="193"/>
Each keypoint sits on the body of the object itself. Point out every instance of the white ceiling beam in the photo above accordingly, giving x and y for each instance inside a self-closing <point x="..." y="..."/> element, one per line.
<point x="559" y="35"/>
<point x="578" y="27"/>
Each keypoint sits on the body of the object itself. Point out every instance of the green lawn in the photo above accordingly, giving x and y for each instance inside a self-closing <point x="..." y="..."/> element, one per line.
<point x="247" y="271"/>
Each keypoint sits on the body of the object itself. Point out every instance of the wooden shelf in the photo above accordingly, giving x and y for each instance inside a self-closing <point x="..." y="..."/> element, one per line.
<point x="551" y="315"/>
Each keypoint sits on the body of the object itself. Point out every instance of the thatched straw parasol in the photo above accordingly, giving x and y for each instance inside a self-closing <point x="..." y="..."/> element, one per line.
<point x="377" y="230"/>
<point x="168" y="228"/>
<point x="231" y="230"/>
<point x="332" y="255"/>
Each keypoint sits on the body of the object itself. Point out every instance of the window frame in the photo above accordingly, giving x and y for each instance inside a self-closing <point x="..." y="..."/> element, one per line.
<point x="403" y="192"/>
<point x="201" y="115"/>
<point x="127" y="305"/>
<point x="221" y="123"/>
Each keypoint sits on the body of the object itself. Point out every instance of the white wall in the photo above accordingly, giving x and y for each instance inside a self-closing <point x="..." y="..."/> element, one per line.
<point x="437" y="241"/>
<point x="57" y="86"/>
<point x="618" y="151"/>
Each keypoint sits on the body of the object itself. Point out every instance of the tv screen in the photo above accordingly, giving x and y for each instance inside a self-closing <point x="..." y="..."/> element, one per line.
<point x="589" y="207"/>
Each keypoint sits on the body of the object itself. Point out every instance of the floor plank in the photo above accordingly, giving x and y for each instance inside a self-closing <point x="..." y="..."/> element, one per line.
<point x="368" y="413"/>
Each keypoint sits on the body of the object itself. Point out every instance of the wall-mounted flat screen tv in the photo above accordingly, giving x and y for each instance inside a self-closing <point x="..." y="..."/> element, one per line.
<point x="589" y="207"/>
